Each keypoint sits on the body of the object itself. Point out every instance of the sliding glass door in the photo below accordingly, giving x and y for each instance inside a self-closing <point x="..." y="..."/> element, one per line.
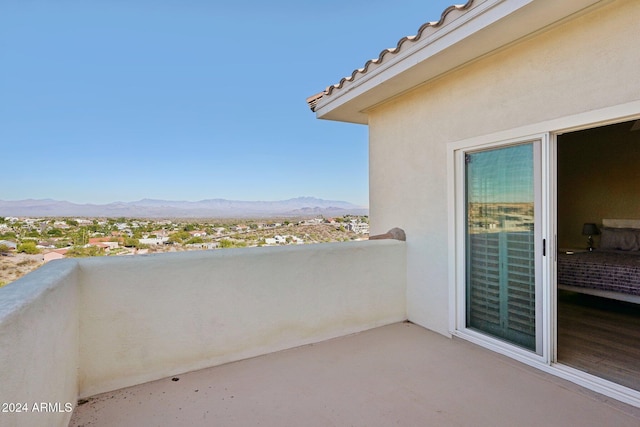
<point x="502" y="240"/>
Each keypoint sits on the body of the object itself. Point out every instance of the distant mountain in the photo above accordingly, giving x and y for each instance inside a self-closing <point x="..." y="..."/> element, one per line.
<point x="210" y="208"/>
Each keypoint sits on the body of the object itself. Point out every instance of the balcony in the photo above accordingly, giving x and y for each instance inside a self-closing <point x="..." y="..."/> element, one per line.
<point x="311" y="335"/>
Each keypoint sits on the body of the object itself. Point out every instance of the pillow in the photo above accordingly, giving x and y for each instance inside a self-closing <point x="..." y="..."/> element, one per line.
<point x="624" y="239"/>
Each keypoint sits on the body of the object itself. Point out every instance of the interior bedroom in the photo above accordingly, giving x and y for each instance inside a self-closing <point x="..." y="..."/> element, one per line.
<point x="599" y="289"/>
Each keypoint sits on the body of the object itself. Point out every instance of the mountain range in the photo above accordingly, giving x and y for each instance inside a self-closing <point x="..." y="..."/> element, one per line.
<point x="210" y="208"/>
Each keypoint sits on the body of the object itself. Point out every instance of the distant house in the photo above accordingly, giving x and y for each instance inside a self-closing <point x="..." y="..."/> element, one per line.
<point x="8" y="243"/>
<point x="45" y="245"/>
<point x="204" y="245"/>
<point x="56" y="254"/>
<point x="106" y="243"/>
<point x="153" y="241"/>
<point x="283" y="240"/>
<point x="160" y="233"/>
<point x="112" y="241"/>
<point x="313" y="221"/>
<point x="358" y="227"/>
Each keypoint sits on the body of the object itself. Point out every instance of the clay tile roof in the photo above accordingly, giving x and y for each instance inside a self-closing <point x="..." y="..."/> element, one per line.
<point x="312" y="101"/>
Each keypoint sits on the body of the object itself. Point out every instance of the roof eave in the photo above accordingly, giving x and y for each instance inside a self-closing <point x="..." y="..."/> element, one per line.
<point x="465" y="36"/>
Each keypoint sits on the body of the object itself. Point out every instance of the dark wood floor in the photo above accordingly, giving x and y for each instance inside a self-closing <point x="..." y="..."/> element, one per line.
<point x="600" y="336"/>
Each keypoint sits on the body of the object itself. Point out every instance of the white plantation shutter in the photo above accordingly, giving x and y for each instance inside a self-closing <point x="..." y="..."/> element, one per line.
<point x="500" y="268"/>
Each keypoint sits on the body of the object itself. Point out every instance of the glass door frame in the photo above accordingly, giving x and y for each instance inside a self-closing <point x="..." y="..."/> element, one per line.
<point x="548" y="131"/>
<point x="543" y="292"/>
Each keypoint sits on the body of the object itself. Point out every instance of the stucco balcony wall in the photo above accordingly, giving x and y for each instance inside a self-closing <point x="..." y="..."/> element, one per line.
<point x="39" y="342"/>
<point x="75" y="328"/>
<point x="149" y="317"/>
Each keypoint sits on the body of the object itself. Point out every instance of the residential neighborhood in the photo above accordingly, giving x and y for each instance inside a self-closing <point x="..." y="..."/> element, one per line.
<point x="28" y="243"/>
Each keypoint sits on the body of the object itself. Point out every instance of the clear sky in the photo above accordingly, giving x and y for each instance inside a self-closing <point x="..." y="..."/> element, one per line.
<point x="119" y="100"/>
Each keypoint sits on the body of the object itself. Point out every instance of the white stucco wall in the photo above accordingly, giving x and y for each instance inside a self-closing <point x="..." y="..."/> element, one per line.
<point x="149" y="317"/>
<point x="39" y="347"/>
<point x="588" y="63"/>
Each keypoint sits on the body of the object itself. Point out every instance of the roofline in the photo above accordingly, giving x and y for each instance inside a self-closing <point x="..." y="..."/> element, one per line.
<point x="312" y="101"/>
<point x="463" y="33"/>
<point x="399" y="46"/>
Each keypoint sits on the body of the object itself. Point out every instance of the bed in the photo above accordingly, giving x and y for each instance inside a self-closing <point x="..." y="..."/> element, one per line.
<point x="612" y="270"/>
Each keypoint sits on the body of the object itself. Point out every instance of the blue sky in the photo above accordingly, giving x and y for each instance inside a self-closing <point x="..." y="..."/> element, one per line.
<point x="119" y="100"/>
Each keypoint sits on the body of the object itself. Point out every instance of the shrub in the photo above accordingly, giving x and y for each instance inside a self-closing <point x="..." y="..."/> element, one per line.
<point x="226" y="243"/>
<point x="28" y="248"/>
<point x="81" y="252"/>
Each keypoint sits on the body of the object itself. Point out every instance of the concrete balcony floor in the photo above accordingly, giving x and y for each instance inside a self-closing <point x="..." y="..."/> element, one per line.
<point x="400" y="374"/>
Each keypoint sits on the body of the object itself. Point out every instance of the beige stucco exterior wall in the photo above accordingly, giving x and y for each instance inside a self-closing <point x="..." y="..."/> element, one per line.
<point x="588" y="63"/>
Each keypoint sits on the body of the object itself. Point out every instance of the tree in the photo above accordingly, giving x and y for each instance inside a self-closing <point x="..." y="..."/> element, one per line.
<point x="9" y="235"/>
<point x="226" y="243"/>
<point x="28" y="247"/>
<point x="179" y="237"/>
<point x="54" y="232"/>
<point x="81" y="237"/>
<point x="131" y="242"/>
